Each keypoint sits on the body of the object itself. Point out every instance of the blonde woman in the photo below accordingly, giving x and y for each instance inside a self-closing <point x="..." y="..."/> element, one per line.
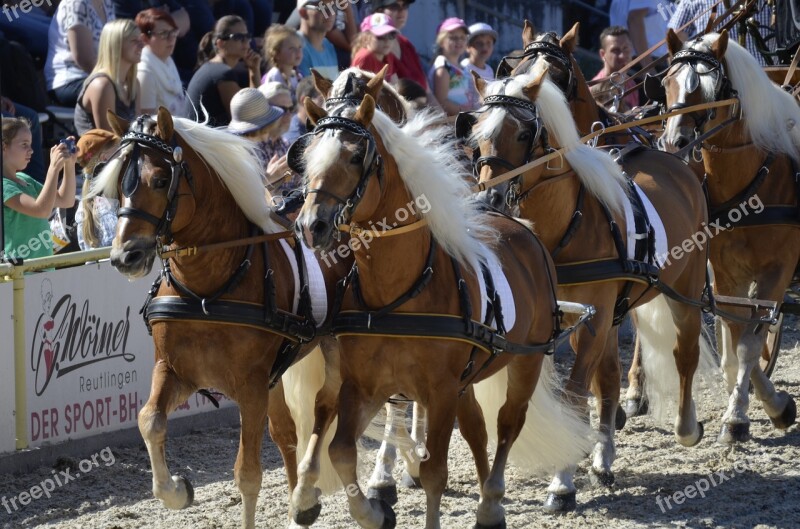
<point x="96" y="217"/>
<point x="112" y="84"/>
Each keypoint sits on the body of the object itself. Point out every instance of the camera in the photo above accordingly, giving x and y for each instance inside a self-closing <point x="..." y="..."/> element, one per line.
<point x="70" y="143"/>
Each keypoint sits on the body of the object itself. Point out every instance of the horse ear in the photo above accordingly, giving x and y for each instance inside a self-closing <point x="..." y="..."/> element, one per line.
<point x="322" y="83"/>
<point x="674" y="42"/>
<point x="480" y="82"/>
<point x="365" y="111"/>
<point x="570" y="40"/>
<point x="314" y="112"/>
<point x="375" y="84"/>
<point x="118" y="125"/>
<point x="528" y="32"/>
<point x="165" y="124"/>
<point x="532" y="88"/>
<point x="720" y="45"/>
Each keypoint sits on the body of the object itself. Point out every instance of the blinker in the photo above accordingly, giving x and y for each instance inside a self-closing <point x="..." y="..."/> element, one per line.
<point x="130" y="180"/>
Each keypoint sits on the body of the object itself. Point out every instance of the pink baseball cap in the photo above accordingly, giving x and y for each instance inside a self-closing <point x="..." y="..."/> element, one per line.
<point x="452" y="23"/>
<point x="379" y="24"/>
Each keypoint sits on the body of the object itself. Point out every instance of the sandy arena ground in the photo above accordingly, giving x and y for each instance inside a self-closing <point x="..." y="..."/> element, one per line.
<point x="650" y="464"/>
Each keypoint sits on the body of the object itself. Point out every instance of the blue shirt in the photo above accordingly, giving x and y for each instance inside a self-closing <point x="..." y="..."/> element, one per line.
<point x="325" y="62"/>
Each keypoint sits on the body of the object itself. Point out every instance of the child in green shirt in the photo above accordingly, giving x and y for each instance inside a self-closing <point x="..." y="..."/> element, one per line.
<point x="28" y="204"/>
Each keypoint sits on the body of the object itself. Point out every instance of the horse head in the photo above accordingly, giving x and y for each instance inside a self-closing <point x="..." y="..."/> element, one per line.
<point x="151" y="178"/>
<point x="353" y="84"/>
<point x="509" y="112"/>
<point x="696" y="75"/>
<point x="338" y="160"/>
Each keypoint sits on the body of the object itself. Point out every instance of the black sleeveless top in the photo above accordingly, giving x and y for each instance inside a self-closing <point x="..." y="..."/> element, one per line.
<point x="84" y="120"/>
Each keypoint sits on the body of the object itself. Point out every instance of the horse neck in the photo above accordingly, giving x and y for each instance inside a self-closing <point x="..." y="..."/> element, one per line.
<point x="551" y="206"/>
<point x="217" y="218"/>
<point x="389" y="266"/>
<point x="583" y="106"/>
<point x="731" y="162"/>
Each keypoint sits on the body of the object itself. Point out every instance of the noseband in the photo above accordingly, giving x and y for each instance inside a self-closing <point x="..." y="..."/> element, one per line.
<point x="373" y="164"/>
<point x="132" y="177"/>
<point x="723" y="89"/>
<point x="537" y="131"/>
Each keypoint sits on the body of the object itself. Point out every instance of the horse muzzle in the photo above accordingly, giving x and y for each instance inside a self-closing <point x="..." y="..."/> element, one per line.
<point x="316" y="226"/>
<point x="493" y="197"/>
<point x="133" y="258"/>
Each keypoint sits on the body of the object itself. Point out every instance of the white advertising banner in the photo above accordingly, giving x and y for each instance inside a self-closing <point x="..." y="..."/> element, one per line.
<point x="89" y="356"/>
<point x="7" y="418"/>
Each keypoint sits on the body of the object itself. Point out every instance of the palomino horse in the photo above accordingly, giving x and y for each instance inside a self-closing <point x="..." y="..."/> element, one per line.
<point x="408" y="322"/>
<point x="572" y="207"/>
<point x="751" y="173"/>
<point x="350" y="87"/>
<point x="220" y="321"/>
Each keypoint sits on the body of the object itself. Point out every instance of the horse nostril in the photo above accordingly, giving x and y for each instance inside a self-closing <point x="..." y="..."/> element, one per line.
<point x="495" y="199"/>
<point x="132" y="257"/>
<point x="319" y="228"/>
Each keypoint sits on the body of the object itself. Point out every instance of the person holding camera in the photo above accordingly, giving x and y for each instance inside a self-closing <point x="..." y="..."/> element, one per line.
<point x="28" y="204"/>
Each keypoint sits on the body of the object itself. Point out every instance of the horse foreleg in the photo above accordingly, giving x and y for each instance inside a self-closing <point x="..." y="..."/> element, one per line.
<point x="253" y="400"/>
<point x="306" y="506"/>
<point x="411" y="460"/>
<point x="354" y="413"/>
<point x="523" y="373"/>
<point x="687" y="320"/>
<point x="606" y="390"/>
<point x="166" y="393"/>
<point x="284" y="433"/>
<point x="381" y="485"/>
<point x="634" y="405"/>
<point x="433" y="471"/>
<point x="472" y="426"/>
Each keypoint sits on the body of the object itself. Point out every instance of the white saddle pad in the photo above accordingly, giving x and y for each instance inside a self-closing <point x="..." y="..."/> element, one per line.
<point x="655" y="222"/>
<point x="316" y="283"/>
<point x="504" y="292"/>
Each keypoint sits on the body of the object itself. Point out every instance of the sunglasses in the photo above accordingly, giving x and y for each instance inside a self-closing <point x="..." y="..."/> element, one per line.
<point x="238" y="37"/>
<point x="388" y="36"/>
<point x="164" y="35"/>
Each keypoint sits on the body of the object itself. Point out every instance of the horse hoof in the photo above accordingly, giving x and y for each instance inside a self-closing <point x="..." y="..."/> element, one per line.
<point x="620" y="419"/>
<point x="389" y="517"/>
<point x="501" y="525"/>
<point x="787" y="417"/>
<point x="560" y="503"/>
<point x="601" y="477"/>
<point x="189" y="492"/>
<point x="307" y="517"/>
<point x="410" y="482"/>
<point x="691" y="440"/>
<point x="387" y="494"/>
<point x="734" y="433"/>
<point x="635" y="407"/>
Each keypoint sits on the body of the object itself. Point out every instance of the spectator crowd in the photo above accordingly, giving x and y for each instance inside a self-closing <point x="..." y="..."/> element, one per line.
<point x="225" y="63"/>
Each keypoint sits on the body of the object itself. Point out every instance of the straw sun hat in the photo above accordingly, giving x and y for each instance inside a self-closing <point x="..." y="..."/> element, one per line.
<point x="250" y="111"/>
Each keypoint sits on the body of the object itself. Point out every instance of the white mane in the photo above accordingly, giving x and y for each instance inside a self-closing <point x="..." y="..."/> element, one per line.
<point x="232" y="157"/>
<point x="429" y="167"/>
<point x="597" y="171"/>
<point x="767" y="110"/>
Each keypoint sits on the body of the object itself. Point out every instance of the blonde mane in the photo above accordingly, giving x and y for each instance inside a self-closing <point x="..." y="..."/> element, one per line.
<point x="429" y="167"/>
<point x="771" y="115"/>
<point x="597" y="171"/>
<point x="231" y="157"/>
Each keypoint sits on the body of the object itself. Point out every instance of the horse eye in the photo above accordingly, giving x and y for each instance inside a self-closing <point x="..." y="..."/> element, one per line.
<point x="357" y="159"/>
<point x="159" y="182"/>
<point x="525" y="135"/>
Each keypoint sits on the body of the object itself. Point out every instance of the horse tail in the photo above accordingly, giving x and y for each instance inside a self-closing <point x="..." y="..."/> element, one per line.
<point x="658" y="337"/>
<point x="301" y="382"/>
<point x="555" y="435"/>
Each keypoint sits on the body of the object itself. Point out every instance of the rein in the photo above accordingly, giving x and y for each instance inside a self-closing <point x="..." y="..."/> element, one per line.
<point x="189" y="251"/>
<point x="557" y="153"/>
